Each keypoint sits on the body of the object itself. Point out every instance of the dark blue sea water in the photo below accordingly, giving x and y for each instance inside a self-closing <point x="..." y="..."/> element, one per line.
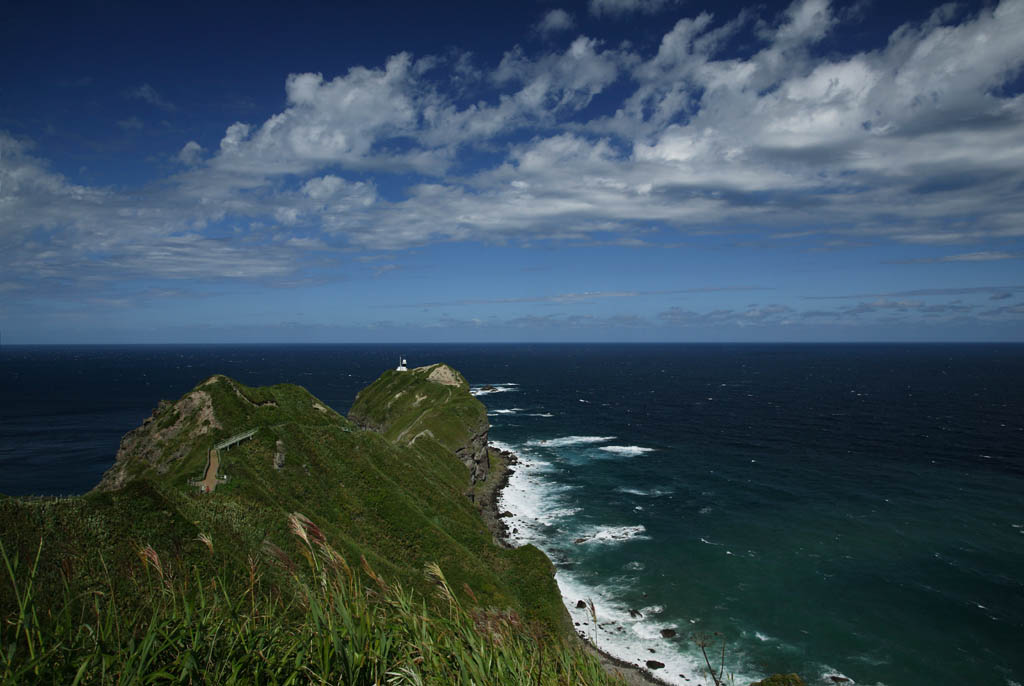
<point x="833" y="510"/>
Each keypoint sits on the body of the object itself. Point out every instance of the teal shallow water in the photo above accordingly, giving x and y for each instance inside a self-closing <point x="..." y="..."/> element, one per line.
<point x="831" y="510"/>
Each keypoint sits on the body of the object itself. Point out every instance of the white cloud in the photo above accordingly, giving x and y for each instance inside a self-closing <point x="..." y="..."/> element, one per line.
<point x="233" y="137"/>
<point x="306" y="243"/>
<point x="555" y="20"/>
<point x="913" y="143"/>
<point x="980" y="256"/>
<point x="556" y="81"/>
<point x="336" y="121"/>
<point x="190" y="153"/>
<point x="806" y="21"/>
<point x="323" y="187"/>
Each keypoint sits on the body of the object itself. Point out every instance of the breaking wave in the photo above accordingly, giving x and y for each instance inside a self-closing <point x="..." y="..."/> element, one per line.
<point x="626" y="450"/>
<point x="488" y="389"/>
<point x="566" y="441"/>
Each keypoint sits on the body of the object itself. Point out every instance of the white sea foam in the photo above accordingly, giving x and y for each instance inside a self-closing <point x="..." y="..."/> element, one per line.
<point x="536" y="503"/>
<point x="614" y="534"/>
<point x="653" y="493"/>
<point x="493" y="388"/>
<point x="511" y="410"/>
<point x="629" y="638"/>
<point x="540" y="414"/>
<point x="622" y="636"/>
<point x="627" y="450"/>
<point x="566" y="441"/>
<point x="647" y="630"/>
<point x="502" y="446"/>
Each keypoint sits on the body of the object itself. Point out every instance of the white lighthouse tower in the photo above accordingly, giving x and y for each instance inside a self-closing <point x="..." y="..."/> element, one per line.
<point x="401" y="364"/>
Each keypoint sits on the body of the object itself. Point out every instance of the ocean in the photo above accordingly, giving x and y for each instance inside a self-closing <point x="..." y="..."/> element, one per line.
<point x="841" y="511"/>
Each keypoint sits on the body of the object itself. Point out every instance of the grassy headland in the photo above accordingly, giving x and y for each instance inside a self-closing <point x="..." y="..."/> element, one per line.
<point x="388" y="574"/>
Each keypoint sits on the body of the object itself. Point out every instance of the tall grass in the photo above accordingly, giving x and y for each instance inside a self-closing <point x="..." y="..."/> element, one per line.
<point x="329" y="624"/>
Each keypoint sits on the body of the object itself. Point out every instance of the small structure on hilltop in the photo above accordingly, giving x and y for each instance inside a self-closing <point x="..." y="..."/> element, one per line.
<point x="401" y="364"/>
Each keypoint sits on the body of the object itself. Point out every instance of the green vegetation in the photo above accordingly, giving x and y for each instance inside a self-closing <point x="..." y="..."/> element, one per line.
<point x="186" y="625"/>
<point x="405" y="405"/>
<point x="214" y="595"/>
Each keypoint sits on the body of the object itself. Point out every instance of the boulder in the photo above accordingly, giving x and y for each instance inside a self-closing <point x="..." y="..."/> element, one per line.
<point x="780" y="680"/>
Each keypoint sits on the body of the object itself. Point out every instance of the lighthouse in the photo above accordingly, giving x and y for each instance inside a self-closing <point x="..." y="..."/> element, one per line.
<point x="401" y="364"/>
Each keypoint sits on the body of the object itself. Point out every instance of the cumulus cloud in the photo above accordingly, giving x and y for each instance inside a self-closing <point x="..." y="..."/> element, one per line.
<point x="554" y="21"/>
<point x="190" y="153"/>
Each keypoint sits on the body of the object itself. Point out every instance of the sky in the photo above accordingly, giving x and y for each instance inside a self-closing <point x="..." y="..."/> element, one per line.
<point x="605" y="170"/>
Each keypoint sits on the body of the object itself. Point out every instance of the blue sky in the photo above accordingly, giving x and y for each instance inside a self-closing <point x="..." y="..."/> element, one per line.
<point x="609" y="170"/>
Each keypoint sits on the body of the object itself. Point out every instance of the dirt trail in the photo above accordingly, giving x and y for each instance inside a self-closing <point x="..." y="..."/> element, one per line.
<point x="210" y="478"/>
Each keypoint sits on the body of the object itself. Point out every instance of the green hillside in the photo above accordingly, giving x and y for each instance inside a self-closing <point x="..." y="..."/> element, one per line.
<point x="381" y="497"/>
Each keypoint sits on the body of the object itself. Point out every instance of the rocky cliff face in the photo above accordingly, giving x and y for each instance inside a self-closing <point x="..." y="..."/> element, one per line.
<point x="429" y="403"/>
<point x="474" y="456"/>
<point x="164" y="438"/>
<point x="178" y="435"/>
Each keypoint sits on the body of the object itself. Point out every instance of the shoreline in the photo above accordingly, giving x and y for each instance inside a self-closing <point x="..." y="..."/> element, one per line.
<point x="485" y="494"/>
<point x="486" y="499"/>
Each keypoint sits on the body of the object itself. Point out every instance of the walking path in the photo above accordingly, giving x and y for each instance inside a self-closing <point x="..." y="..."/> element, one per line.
<point x="210" y="480"/>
